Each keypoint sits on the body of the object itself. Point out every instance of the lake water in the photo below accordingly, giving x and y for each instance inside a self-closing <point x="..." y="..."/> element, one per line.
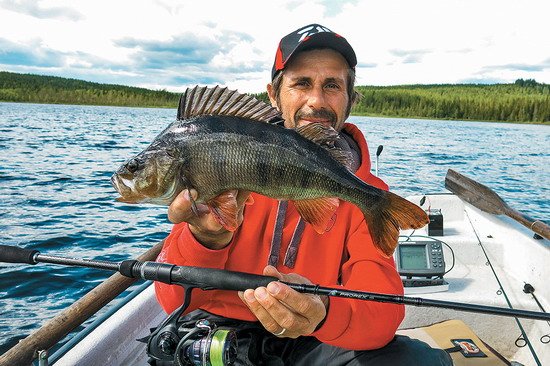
<point x="56" y="197"/>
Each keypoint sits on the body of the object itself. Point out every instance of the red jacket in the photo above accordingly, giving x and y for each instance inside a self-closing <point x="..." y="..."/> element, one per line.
<point x="345" y="255"/>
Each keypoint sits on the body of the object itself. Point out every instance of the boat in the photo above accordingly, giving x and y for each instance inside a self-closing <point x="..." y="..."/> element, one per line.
<point x="489" y="260"/>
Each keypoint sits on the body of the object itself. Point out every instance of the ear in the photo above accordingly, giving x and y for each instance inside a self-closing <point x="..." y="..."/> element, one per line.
<point x="271" y="95"/>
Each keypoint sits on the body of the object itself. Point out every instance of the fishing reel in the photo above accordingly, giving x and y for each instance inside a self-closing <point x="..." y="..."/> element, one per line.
<point x="204" y="344"/>
<point x="191" y="343"/>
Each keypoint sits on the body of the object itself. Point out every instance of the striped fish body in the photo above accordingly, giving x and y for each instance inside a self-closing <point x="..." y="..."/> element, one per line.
<point x="215" y="150"/>
<point x="225" y="153"/>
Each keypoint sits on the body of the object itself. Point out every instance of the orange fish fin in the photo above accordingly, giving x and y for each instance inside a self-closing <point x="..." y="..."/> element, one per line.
<point x="386" y="221"/>
<point x="224" y="209"/>
<point x="318" y="211"/>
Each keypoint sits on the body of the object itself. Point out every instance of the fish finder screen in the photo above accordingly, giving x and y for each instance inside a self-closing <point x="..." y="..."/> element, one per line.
<point x="413" y="257"/>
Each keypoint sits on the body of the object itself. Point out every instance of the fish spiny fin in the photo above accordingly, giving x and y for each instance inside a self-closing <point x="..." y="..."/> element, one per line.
<point x="326" y="137"/>
<point x="389" y="217"/>
<point x="224" y="208"/>
<point x="200" y="101"/>
<point x="318" y="211"/>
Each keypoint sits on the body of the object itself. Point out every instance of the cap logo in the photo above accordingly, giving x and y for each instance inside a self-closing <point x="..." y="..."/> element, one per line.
<point x="310" y="37"/>
<point x="310" y="30"/>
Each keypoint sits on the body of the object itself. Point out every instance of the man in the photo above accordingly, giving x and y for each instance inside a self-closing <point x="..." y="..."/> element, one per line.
<point x="312" y="81"/>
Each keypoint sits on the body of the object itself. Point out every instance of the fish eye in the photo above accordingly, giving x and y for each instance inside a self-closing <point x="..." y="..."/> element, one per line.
<point x="132" y="165"/>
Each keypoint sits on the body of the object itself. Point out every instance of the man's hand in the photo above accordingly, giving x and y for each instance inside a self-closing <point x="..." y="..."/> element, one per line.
<point x="282" y="310"/>
<point x="202" y="223"/>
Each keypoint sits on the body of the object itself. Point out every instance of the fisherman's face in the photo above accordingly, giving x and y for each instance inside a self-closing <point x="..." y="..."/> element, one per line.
<point x="313" y="89"/>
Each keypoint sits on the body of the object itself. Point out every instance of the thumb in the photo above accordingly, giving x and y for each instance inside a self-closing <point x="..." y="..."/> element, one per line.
<point x="272" y="272"/>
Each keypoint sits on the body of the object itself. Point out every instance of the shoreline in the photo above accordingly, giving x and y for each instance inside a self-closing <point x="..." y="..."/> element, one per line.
<point x="543" y="123"/>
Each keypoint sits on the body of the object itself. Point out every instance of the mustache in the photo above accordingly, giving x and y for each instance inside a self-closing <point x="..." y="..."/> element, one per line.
<point x="317" y="113"/>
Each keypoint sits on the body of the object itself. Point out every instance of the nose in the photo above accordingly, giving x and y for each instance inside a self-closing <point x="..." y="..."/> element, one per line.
<point x="316" y="98"/>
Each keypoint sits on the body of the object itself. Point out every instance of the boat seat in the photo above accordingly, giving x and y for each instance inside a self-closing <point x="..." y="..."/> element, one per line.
<point x="464" y="346"/>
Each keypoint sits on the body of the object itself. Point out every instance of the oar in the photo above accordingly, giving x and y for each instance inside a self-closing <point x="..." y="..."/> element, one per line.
<point x="488" y="201"/>
<point x="24" y="352"/>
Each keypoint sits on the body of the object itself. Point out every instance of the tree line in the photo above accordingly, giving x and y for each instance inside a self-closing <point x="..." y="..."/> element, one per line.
<point x="30" y="88"/>
<point x="522" y="101"/>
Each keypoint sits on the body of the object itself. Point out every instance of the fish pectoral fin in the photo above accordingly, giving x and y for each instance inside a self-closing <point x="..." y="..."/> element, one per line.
<point x="225" y="210"/>
<point x="317" y="212"/>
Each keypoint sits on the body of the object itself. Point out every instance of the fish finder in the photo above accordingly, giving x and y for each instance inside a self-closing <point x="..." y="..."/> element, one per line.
<point x="420" y="259"/>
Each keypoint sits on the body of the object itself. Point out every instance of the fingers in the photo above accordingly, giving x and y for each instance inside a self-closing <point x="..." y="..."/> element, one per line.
<point x="273" y="314"/>
<point x="278" y="307"/>
<point x="181" y="210"/>
<point x="204" y="225"/>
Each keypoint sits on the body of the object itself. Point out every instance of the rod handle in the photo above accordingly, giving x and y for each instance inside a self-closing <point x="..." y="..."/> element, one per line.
<point x="210" y="278"/>
<point x="203" y="278"/>
<point x="11" y="254"/>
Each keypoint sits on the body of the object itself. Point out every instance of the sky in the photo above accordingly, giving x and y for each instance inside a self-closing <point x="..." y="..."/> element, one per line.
<point x="172" y="45"/>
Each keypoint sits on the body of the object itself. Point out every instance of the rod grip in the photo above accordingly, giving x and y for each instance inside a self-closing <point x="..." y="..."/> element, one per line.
<point x="11" y="254"/>
<point x="210" y="278"/>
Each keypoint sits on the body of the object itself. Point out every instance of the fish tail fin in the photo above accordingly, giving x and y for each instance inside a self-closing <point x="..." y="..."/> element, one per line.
<point x="386" y="221"/>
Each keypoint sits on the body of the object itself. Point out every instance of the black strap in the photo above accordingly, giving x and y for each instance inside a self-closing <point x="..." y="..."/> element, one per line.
<point x="292" y="251"/>
<point x="277" y="234"/>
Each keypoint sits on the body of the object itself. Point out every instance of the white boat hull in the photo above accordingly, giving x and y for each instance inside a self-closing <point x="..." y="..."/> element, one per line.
<point x="516" y="257"/>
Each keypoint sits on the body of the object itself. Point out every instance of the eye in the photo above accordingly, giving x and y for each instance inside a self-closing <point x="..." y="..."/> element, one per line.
<point x="132" y="165"/>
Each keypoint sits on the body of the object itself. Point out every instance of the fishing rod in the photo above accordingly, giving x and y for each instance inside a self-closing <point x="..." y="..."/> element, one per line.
<point x="210" y="279"/>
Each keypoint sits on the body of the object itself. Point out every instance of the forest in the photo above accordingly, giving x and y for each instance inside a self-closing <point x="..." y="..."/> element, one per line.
<point x="28" y="88"/>
<point x="525" y="101"/>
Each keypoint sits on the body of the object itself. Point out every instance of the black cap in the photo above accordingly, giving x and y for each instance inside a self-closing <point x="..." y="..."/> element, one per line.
<point x="311" y="36"/>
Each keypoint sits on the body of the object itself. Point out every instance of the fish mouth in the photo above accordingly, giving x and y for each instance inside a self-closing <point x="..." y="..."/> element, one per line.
<point x="129" y="194"/>
<point x="125" y="188"/>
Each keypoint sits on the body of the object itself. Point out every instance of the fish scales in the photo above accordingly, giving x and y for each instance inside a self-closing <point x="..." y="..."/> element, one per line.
<point x="225" y="160"/>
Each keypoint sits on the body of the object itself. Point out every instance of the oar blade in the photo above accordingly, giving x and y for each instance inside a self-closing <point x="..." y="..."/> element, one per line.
<point x="475" y="193"/>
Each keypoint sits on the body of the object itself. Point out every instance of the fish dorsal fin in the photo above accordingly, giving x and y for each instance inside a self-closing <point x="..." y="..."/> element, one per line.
<point x="200" y="101"/>
<point x="326" y="137"/>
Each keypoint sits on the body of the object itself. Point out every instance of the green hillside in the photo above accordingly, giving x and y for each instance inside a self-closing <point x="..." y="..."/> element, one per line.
<point x="524" y="101"/>
<point x="56" y="90"/>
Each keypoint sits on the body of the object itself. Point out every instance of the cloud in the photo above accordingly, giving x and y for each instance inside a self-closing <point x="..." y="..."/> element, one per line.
<point x="367" y="65"/>
<point x="334" y="8"/>
<point x="410" y="56"/>
<point x="211" y="55"/>
<point x="184" y="49"/>
<point x="189" y="80"/>
<point x="482" y="80"/>
<point x="33" y="9"/>
<point x="28" y="55"/>
<point x="35" y="54"/>
<point x="166" y="43"/>
<point x="520" y="67"/>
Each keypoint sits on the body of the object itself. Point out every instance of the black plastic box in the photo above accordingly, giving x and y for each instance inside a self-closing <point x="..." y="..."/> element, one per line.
<point x="435" y="227"/>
